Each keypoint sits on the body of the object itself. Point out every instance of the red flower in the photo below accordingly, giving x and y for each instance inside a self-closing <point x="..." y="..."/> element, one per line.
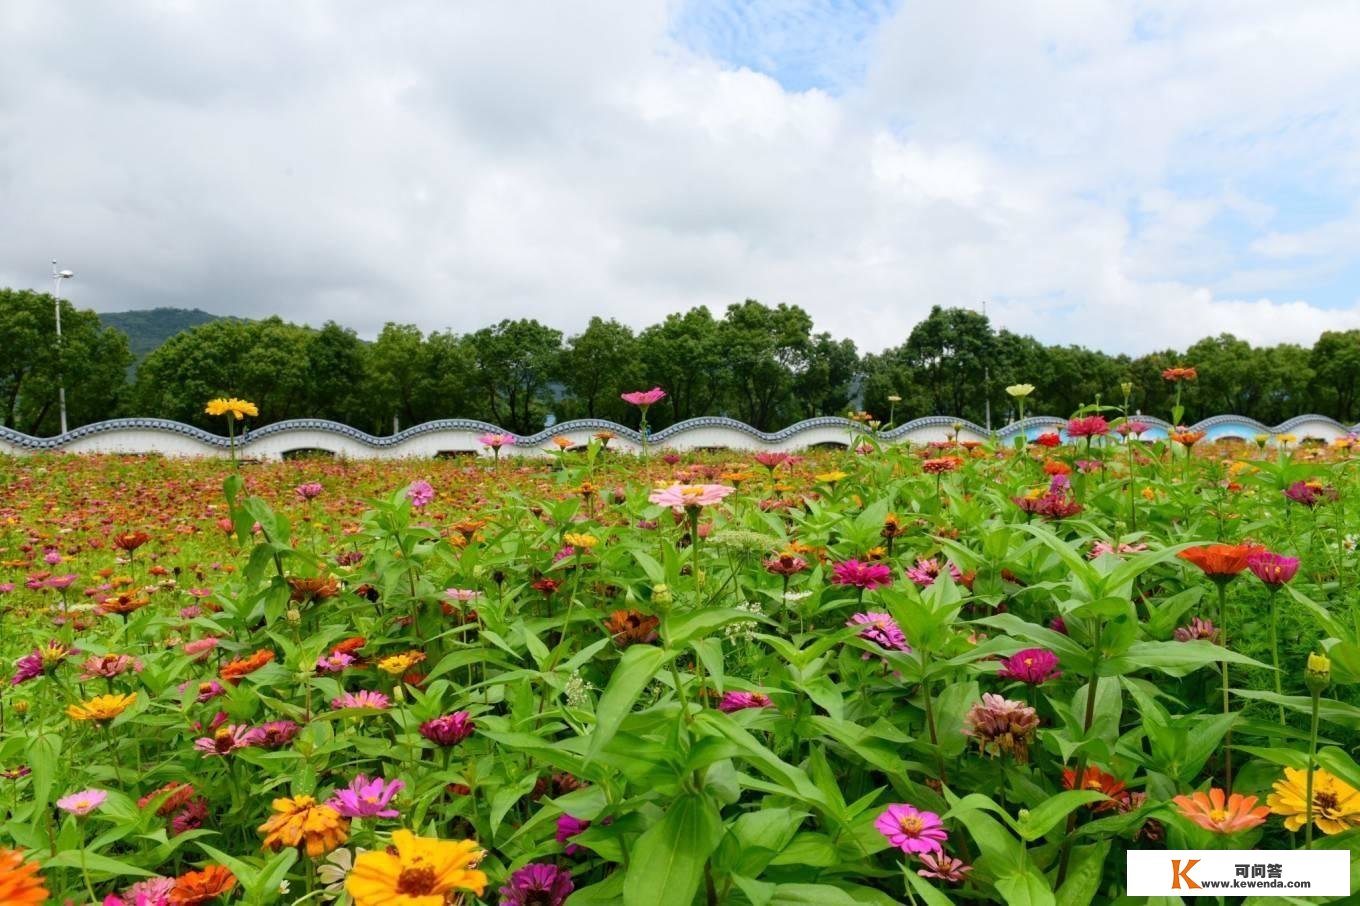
<point x="1220" y="562"/>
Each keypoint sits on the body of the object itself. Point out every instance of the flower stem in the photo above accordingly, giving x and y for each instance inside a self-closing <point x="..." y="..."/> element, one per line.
<point x="1308" y="786"/>
<point x="1275" y="649"/>
<point x="1227" y="708"/>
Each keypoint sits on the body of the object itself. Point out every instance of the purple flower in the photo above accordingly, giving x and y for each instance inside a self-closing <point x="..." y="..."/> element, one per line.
<point x="420" y="492"/>
<point x="568" y="827"/>
<point x="365" y="798"/>
<point x="275" y="734"/>
<point x="881" y="629"/>
<point x="1274" y="570"/>
<point x="861" y="575"/>
<point x="1311" y="493"/>
<point x="537" y="884"/>
<point x="448" y="730"/>
<point x="912" y="830"/>
<point x="740" y="701"/>
<point x="309" y="490"/>
<point x="28" y="667"/>
<point x="1196" y="629"/>
<point x="927" y="570"/>
<point x="82" y="803"/>
<point x="334" y="662"/>
<point x="1032" y="665"/>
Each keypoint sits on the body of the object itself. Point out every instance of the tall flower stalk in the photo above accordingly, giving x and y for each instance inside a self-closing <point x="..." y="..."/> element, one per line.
<point x="1317" y="676"/>
<point x="644" y="400"/>
<point x="235" y="410"/>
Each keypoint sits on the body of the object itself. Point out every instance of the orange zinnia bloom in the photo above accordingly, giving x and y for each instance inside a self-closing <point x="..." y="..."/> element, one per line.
<point x="20" y="883"/>
<point x="1220" y="562"/>
<point x="1179" y="374"/>
<point x="1188" y="438"/>
<point x="1223" y="814"/>
<point x="1094" y="778"/>
<point x="196" y="887"/>
<point x="130" y="541"/>
<point x="232" y="671"/>
<point x="313" y="588"/>
<point x="302" y="821"/>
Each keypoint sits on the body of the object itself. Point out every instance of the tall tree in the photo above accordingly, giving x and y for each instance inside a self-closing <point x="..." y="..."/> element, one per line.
<point x="516" y="361"/>
<point x="597" y="365"/>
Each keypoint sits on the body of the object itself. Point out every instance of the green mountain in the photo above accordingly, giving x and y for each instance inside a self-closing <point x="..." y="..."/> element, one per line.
<point x="148" y="328"/>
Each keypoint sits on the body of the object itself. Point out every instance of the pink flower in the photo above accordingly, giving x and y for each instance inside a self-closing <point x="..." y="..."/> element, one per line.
<point x="1273" y="569"/>
<point x="1090" y="426"/>
<point x="680" y="497"/>
<point x="942" y="867"/>
<point x="861" y="575"/>
<point x="881" y="629"/>
<point x="1136" y="428"/>
<point x="365" y="798"/>
<point x="448" y="730"/>
<point x="740" y="701"/>
<point x="1195" y="630"/>
<point x="912" y="830"/>
<point x="1032" y="665"/>
<point x="496" y="441"/>
<point x="462" y="595"/>
<point x="335" y="662"/>
<point x="309" y="491"/>
<point x="361" y="699"/>
<point x="568" y="827"/>
<point x="82" y="803"/>
<point x="927" y="570"/>
<point x="420" y="492"/>
<point x="226" y="740"/>
<point x="1002" y="726"/>
<point x="644" y="398"/>
<point x="1105" y="547"/>
<point x="199" y="648"/>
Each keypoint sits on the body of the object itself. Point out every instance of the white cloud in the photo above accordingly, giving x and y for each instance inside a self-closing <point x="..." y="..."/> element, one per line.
<point x="1102" y="172"/>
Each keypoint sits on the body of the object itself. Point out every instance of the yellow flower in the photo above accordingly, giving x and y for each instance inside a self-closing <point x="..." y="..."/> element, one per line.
<point x="831" y="477"/>
<point x="1285" y="438"/>
<point x="398" y="664"/>
<point x="101" y="707"/>
<point x="301" y="821"/>
<point x="1020" y="391"/>
<point x="423" y="871"/>
<point x="581" y="541"/>
<point x="239" y="409"/>
<point x="1336" y="804"/>
<point x="1149" y="494"/>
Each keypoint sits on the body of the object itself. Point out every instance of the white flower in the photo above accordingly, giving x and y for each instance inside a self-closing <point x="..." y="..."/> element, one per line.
<point x="793" y="597"/>
<point x="577" y="690"/>
<point x="1020" y="391"/>
<point x="743" y="629"/>
<point x="1348" y="543"/>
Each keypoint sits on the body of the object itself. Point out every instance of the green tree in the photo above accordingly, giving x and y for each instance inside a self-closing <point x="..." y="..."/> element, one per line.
<point x="598" y="364"/>
<point x="684" y="355"/>
<point x="92" y="362"/>
<point x="765" y="348"/>
<point x="1336" y="365"/>
<point x="514" y="365"/>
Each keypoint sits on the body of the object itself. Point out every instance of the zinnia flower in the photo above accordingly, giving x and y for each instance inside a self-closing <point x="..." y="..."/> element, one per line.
<point x="20" y="883"/>
<point x="82" y="803"/>
<point x="448" y="730"/>
<point x="631" y="627"/>
<point x="234" y="670"/>
<point x="881" y="629"/>
<point x="1196" y="629"/>
<point x="644" y="398"/>
<point x="927" y="570"/>
<point x="912" y="830"/>
<point x="226" y="740"/>
<point x="569" y="826"/>
<point x="942" y="867"/>
<point x="537" y="884"/>
<point x="423" y="871"/>
<point x="861" y="575"/>
<point x="1273" y="569"/>
<point x="196" y="887"/>
<point x="1032" y="665"/>
<point x="1220" y="562"/>
<point x="1089" y="426"/>
<point x="420" y="493"/>
<point x="1001" y="726"/>
<point x="101" y="708"/>
<point x="397" y="664"/>
<point x="302" y="821"/>
<point x="1093" y="778"/>
<point x="362" y="699"/>
<point x="365" y="798"/>
<point x="1336" y="804"/>
<point x="740" y="701"/>
<point x="681" y="497"/>
<point x="1218" y="812"/>
<point x="1311" y="493"/>
<point x="309" y="490"/>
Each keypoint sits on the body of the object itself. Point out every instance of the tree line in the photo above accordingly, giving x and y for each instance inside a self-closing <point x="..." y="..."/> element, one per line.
<point x="765" y="365"/>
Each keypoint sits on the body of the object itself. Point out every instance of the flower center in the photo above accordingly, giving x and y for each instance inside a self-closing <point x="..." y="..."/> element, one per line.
<point x="416" y="882"/>
<point x="1217" y="815"/>
<point x="1325" y="802"/>
<point x="911" y="825"/>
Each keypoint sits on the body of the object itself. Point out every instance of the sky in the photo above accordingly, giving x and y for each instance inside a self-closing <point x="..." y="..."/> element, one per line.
<point x="1130" y="176"/>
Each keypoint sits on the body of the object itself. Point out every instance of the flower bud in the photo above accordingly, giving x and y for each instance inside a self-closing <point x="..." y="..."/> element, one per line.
<point x="1318" y="674"/>
<point x="293" y="615"/>
<point x="19" y="706"/>
<point x="1127" y="388"/>
<point x="399" y="693"/>
<point x="662" y="596"/>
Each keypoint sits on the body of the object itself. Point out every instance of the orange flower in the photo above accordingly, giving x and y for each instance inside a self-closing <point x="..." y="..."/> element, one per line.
<point x="941" y="464"/>
<point x="232" y="671"/>
<point x="1220" y="562"/>
<point x="302" y="821"/>
<point x="631" y="627"/>
<point x="316" y="588"/>
<point x="196" y="887"/>
<point x="1211" y="812"/>
<point x="20" y="883"/>
<point x="1188" y="438"/>
<point x="130" y="541"/>
<point x="1056" y="467"/>
<point x="1094" y="778"/>
<point x="1179" y="374"/>
<point x="350" y="645"/>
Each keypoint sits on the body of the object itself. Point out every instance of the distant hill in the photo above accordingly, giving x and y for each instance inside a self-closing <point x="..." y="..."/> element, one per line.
<point x="148" y="328"/>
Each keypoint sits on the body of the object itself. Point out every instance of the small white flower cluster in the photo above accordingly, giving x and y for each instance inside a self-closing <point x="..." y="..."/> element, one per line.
<point x="743" y="629"/>
<point x="1349" y="543"/>
<point x="577" y="690"/>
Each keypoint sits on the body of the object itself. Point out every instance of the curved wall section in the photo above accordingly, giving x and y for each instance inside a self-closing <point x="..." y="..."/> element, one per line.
<point x="462" y="436"/>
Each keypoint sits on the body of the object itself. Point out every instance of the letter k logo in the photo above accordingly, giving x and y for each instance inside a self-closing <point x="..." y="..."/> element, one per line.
<point x="1177" y="873"/>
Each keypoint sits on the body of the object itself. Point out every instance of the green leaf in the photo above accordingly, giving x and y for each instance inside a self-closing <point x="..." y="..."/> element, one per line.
<point x="506" y="797"/>
<point x="1045" y="816"/>
<point x="1025" y="888"/>
<point x="932" y="896"/>
<point x="1084" y="871"/>
<point x="1341" y="764"/>
<point x="667" y="863"/>
<point x="634" y="671"/>
<point x="1174" y="658"/>
<point x="96" y="863"/>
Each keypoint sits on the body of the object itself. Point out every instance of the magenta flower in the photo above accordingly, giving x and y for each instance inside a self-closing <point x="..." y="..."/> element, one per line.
<point x="1090" y="426"/>
<point x="1311" y="493"/>
<point x="449" y="730"/>
<point x="1136" y="428"/>
<point x="365" y="798"/>
<point x="496" y="441"/>
<point x="362" y="699"/>
<point x="335" y="662"/>
<point x="927" y="570"/>
<point x="226" y="740"/>
<point x="740" y="701"/>
<point x="568" y="827"/>
<point x="943" y="868"/>
<point x="912" y="830"/>
<point x="681" y="497"/>
<point x="537" y="884"/>
<point x="1197" y="629"/>
<point x="60" y="583"/>
<point x="82" y="803"/>
<point x="1032" y="665"/>
<point x="151" y="892"/>
<point x="420" y="492"/>
<point x="861" y="575"/>
<point x="309" y="490"/>
<point x="1274" y="570"/>
<point x="275" y="734"/>
<point x="644" y="398"/>
<point x="881" y="629"/>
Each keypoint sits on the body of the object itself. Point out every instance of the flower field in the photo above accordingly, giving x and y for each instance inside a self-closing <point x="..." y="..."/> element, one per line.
<point x="953" y="673"/>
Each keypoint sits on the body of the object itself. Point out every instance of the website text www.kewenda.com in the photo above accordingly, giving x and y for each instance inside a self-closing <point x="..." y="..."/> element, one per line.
<point x="1240" y="884"/>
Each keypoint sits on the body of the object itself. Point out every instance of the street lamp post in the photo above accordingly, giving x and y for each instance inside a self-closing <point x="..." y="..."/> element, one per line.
<point x="57" y="277"/>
